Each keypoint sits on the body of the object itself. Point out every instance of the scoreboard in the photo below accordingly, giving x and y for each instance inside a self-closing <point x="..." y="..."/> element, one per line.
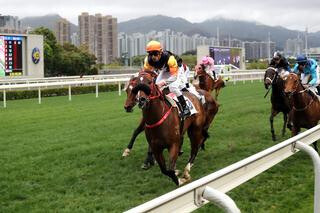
<point x="11" y="55"/>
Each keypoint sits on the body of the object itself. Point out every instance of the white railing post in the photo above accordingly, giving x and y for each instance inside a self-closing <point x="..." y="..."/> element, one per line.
<point x="69" y="92"/>
<point x="4" y="99"/>
<point x="316" y="163"/>
<point x="97" y="90"/>
<point x="39" y="95"/>
<point x="220" y="199"/>
<point x="119" y="87"/>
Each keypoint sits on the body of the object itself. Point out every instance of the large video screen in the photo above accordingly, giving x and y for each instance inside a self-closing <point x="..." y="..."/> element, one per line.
<point x="11" y="55"/>
<point x="223" y="56"/>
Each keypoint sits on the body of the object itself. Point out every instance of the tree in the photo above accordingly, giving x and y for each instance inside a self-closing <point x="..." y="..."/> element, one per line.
<point x="67" y="59"/>
<point x="52" y="51"/>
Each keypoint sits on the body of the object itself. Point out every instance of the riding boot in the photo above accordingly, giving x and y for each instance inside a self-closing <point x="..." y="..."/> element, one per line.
<point x="318" y="89"/>
<point x="185" y="109"/>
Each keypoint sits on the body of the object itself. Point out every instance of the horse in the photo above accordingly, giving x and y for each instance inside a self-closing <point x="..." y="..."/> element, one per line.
<point x="163" y="126"/>
<point x="211" y="108"/>
<point x="279" y="101"/>
<point x="305" y="111"/>
<point x="149" y="161"/>
<point x="207" y="83"/>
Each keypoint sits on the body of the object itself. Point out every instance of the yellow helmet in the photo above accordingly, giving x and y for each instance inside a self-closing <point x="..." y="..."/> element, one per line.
<point x="153" y="46"/>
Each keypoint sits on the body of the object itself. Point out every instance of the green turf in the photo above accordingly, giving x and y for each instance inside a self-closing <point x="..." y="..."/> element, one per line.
<point x="64" y="156"/>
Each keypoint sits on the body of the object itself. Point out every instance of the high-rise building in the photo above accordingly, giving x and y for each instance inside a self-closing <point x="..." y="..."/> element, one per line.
<point x="100" y="34"/>
<point x="259" y="50"/>
<point x="62" y="31"/>
<point x="10" y="24"/>
<point x="294" y="47"/>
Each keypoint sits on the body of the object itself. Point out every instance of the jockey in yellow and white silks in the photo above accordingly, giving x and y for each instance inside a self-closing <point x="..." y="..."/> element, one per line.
<point x="165" y="63"/>
<point x="208" y="64"/>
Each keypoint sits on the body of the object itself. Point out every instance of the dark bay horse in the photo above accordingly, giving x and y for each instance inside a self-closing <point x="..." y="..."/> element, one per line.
<point x="207" y="83"/>
<point x="211" y="108"/>
<point x="305" y="111"/>
<point x="279" y="101"/>
<point x="164" y="127"/>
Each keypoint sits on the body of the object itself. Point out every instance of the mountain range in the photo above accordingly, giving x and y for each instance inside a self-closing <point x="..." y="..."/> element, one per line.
<point x="243" y="30"/>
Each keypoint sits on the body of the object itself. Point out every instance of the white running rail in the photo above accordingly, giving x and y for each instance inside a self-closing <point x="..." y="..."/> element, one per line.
<point x="192" y="196"/>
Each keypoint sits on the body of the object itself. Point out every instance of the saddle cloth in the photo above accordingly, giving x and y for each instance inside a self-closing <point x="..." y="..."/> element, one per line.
<point x="173" y="100"/>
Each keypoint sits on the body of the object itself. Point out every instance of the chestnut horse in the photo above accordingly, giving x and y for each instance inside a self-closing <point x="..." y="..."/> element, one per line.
<point x="207" y="83"/>
<point x="279" y="101"/>
<point x="305" y="111"/>
<point x="211" y="108"/>
<point x="163" y="126"/>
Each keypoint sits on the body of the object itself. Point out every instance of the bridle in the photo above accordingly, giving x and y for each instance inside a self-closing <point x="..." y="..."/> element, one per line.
<point x="300" y="92"/>
<point x="154" y="93"/>
<point x="274" y="77"/>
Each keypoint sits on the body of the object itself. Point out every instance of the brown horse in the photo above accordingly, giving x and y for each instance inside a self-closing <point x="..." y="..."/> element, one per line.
<point x="279" y="101"/>
<point x="211" y="108"/>
<point x="164" y="128"/>
<point x="305" y="111"/>
<point x="207" y="83"/>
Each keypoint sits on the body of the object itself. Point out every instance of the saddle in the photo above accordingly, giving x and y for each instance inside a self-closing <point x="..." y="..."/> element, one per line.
<point x="173" y="101"/>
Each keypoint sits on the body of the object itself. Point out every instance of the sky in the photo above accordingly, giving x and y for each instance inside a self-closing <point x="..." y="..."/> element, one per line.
<point x="294" y="14"/>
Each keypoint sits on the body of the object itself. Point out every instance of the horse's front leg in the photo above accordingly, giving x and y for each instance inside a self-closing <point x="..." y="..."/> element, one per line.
<point x="273" y="114"/>
<point x="174" y="151"/>
<point x="136" y="132"/>
<point x="162" y="164"/>
<point x="285" y="119"/>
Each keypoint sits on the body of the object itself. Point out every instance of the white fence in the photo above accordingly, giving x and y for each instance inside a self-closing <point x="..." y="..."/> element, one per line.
<point x="101" y="79"/>
<point x="199" y="192"/>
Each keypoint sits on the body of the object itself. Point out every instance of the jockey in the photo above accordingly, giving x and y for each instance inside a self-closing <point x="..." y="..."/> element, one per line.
<point x="208" y="64"/>
<point x="279" y="62"/>
<point x="184" y="72"/>
<point x="309" y="74"/>
<point x="164" y="62"/>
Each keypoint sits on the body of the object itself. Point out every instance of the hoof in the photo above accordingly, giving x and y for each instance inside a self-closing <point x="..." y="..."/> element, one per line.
<point x="180" y="152"/>
<point x="126" y="152"/>
<point x="146" y="166"/>
<point x="183" y="181"/>
<point x="177" y="172"/>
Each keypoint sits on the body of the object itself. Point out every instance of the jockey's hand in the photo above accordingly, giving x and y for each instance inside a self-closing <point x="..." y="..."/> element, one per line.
<point x="306" y="86"/>
<point x="162" y="83"/>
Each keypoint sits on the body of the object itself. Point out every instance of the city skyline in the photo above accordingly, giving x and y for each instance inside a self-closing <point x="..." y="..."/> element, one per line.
<point x="291" y="15"/>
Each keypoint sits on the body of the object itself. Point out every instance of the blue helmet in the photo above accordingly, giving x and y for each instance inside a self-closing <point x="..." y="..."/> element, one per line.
<point x="301" y="59"/>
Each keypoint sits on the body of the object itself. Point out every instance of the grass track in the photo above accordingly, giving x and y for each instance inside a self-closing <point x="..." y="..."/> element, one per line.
<point x="64" y="156"/>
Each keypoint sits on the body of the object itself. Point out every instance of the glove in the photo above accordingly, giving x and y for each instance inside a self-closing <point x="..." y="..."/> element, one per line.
<point x="162" y="83"/>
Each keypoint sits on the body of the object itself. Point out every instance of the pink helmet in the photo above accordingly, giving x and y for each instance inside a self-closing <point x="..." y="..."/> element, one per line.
<point x="207" y="60"/>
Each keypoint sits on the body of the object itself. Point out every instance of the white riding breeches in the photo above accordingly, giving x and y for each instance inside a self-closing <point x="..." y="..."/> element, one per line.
<point x="173" y="82"/>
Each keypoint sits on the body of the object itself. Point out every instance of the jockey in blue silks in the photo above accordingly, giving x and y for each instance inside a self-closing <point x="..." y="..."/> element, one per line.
<point x="309" y="72"/>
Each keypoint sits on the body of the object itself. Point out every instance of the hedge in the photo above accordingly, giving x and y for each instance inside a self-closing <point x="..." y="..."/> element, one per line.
<point x="26" y="94"/>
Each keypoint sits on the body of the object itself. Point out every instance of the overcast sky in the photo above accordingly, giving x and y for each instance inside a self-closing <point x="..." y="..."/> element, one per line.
<point x="294" y="14"/>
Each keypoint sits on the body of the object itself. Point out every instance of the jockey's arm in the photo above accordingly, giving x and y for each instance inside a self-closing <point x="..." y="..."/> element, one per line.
<point x="173" y="69"/>
<point x="314" y="79"/>
<point x="146" y="65"/>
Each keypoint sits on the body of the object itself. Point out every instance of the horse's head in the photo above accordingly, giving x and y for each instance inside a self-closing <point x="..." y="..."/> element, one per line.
<point x="199" y="70"/>
<point x="141" y="90"/>
<point x="270" y="77"/>
<point x="128" y="88"/>
<point x="291" y="84"/>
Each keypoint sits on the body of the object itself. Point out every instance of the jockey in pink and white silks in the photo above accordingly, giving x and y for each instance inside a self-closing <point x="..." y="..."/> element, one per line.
<point x="208" y="64"/>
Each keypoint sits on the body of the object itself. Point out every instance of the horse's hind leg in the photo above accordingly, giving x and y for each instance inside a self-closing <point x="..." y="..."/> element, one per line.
<point x="149" y="161"/>
<point x="273" y="114"/>
<point x="136" y="132"/>
<point x="285" y="119"/>
<point x="196" y="139"/>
